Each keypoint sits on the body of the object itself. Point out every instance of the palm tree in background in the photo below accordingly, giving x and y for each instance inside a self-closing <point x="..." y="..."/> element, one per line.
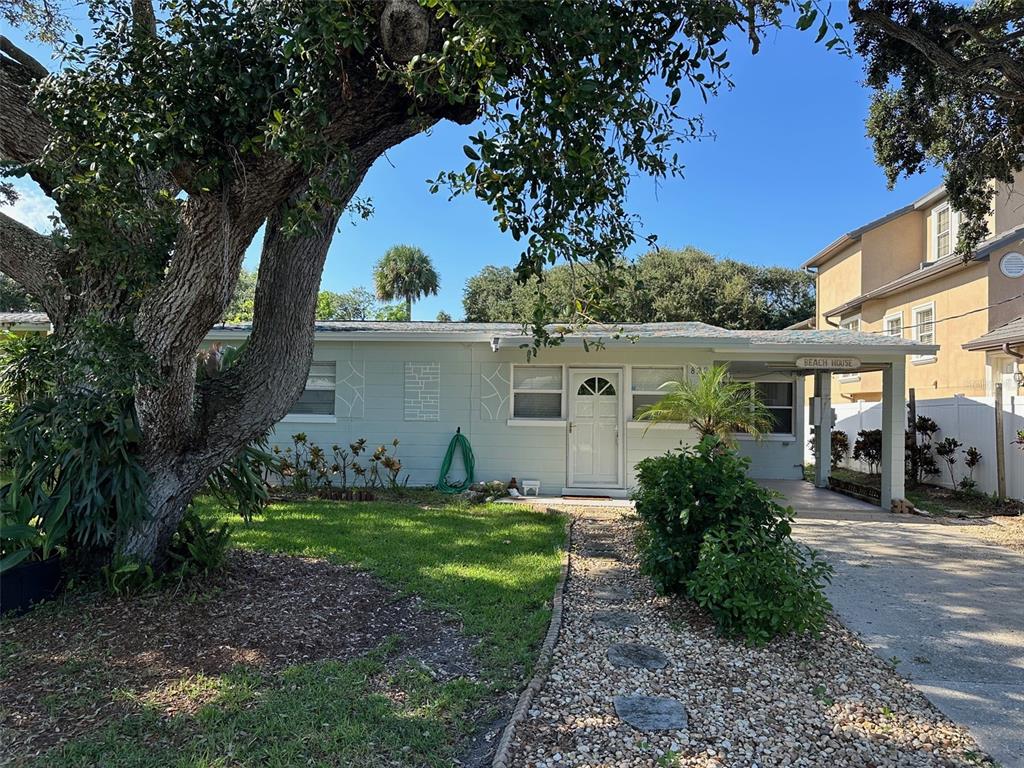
<point x="714" y="405"/>
<point x="405" y="272"/>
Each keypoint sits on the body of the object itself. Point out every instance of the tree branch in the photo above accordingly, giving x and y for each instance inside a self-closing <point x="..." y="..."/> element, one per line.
<point x="24" y="133"/>
<point x="940" y="57"/>
<point x="258" y="390"/>
<point x="31" y="259"/>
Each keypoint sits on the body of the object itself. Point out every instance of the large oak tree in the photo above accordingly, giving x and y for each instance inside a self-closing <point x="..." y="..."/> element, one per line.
<point x="173" y="134"/>
<point x="949" y="90"/>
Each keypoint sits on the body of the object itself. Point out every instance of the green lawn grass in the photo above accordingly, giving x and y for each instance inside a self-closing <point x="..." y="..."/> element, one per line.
<point x="495" y="567"/>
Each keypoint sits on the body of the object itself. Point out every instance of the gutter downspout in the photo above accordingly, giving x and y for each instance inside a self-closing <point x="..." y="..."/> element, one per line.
<point x="1012" y="353"/>
<point x="814" y="270"/>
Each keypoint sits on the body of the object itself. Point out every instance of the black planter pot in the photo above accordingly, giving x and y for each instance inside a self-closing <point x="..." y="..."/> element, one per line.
<point x="29" y="583"/>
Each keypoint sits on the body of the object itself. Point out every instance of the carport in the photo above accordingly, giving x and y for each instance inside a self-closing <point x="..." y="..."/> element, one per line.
<point x="843" y="352"/>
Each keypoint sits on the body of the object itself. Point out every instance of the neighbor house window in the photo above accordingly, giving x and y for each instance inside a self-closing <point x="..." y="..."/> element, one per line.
<point x="894" y="325"/>
<point x="945" y="225"/>
<point x="536" y="391"/>
<point x="923" y="319"/>
<point x="779" y="398"/>
<point x="317" y="399"/>
<point x="647" y="386"/>
<point x="850" y="324"/>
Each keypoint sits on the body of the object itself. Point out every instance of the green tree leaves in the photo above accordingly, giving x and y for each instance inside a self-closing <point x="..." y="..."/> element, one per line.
<point x="665" y="286"/>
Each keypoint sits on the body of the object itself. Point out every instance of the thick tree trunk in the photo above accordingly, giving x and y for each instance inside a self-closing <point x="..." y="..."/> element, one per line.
<point x="189" y="430"/>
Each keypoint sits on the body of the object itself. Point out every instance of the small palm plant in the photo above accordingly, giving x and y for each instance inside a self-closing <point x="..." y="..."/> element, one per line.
<point x="405" y="272"/>
<point x="714" y="405"/>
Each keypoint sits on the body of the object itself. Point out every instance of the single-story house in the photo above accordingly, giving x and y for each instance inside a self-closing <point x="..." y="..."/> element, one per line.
<point x="567" y="416"/>
<point x="24" y="322"/>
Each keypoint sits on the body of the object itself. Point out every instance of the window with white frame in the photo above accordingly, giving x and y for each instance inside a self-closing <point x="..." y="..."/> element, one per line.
<point x="923" y="321"/>
<point x="779" y="397"/>
<point x="536" y="392"/>
<point x="648" y="386"/>
<point x="893" y="325"/>
<point x="945" y="223"/>
<point x="850" y="324"/>
<point x="317" y="399"/>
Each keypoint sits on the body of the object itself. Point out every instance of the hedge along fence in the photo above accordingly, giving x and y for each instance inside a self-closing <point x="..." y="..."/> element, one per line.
<point x="971" y="420"/>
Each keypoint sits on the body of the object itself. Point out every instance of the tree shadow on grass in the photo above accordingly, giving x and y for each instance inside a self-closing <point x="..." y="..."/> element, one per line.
<point x="326" y="713"/>
<point x="71" y="669"/>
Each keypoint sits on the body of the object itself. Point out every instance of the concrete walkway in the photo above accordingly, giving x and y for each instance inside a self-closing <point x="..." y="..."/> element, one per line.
<point x="949" y="608"/>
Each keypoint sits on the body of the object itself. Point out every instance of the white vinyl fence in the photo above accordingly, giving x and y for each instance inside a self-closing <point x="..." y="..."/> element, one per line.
<point x="971" y="420"/>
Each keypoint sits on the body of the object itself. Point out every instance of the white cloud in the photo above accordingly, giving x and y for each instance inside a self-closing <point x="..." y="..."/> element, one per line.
<point x="32" y="208"/>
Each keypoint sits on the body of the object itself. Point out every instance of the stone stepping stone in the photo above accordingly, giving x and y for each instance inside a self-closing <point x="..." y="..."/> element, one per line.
<point x="609" y="575"/>
<point x="637" y="656"/>
<point x="616" y="619"/>
<point x="601" y="554"/>
<point x="613" y="594"/>
<point x="651" y="713"/>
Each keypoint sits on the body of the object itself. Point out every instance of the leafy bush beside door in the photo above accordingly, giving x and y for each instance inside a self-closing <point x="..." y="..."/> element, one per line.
<point x="712" y="533"/>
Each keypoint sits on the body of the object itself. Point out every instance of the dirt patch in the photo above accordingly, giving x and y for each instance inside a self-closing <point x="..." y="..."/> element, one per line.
<point x="70" y="669"/>
<point x="1005" y="531"/>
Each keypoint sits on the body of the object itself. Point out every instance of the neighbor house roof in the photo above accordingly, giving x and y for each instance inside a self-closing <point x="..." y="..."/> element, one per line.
<point x="1008" y="333"/>
<point x="931" y="270"/>
<point x="25" y="320"/>
<point x="641" y="334"/>
<point x="854" y="235"/>
<point x="807" y="324"/>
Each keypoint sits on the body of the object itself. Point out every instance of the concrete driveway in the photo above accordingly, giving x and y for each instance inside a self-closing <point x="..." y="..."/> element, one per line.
<point x="949" y="608"/>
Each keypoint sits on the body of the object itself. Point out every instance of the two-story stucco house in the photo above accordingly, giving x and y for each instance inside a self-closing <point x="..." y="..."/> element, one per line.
<point x="898" y="275"/>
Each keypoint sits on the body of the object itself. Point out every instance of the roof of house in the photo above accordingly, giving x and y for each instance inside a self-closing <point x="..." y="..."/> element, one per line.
<point x="854" y="235"/>
<point x="671" y="334"/>
<point x="931" y="270"/>
<point x="1007" y="333"/>
<point x="24" y="318"/>
<point x="516" y="334"/>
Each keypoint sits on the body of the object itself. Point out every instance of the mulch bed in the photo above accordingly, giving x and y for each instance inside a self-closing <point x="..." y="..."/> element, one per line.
<point x="70" y="669"/>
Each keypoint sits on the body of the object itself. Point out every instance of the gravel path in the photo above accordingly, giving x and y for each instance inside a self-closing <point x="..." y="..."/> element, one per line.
<point x="802" y="702"/>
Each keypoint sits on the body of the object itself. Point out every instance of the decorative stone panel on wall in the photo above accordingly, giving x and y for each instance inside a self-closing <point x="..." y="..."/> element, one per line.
<point x="351" y="389"/>
<point x="493" y="392"/>
<point x="422" y="391"/>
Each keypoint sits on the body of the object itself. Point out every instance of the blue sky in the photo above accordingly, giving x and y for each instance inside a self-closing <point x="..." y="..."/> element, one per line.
<point x="789" y="169"/>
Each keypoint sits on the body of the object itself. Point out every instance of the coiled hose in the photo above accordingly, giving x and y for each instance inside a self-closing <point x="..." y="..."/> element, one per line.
<point x="460" y="442"/>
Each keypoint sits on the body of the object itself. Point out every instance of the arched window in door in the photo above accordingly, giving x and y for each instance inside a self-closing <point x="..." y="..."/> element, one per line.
<point x="596" y="385"/>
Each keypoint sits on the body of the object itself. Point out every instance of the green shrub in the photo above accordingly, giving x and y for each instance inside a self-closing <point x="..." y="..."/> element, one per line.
<point x="197" y="550"/>
<point x="840" y="447"/>
<point x="711" y="532"/>
<point x="868" y="448"/>
<point x="758" y="584"/>
<point x="681" y="495"/>
<point x="125" y="577"/>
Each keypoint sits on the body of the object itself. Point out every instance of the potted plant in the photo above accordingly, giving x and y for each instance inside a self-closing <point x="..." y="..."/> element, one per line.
<point x="30" y="567"/>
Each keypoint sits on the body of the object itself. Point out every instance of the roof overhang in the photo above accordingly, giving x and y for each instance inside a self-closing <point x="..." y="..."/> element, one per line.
<point x="844" y="241"/>
<point x="764" y="343"/>
<point x="1007" y="336"/>
<point x="927" y="271"/>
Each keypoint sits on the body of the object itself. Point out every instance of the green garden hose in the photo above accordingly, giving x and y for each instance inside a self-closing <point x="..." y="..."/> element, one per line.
<point x="460" y="442"/>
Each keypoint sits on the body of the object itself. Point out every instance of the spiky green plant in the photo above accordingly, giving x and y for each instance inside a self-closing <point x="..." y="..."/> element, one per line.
<point x="715" y="404"/>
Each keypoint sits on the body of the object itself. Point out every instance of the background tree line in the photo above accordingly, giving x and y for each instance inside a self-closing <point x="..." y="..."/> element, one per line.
<point x="665" y="285"/>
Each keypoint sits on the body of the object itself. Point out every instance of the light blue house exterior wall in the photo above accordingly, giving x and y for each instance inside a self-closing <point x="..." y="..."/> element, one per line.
<point x="421" y="392"/>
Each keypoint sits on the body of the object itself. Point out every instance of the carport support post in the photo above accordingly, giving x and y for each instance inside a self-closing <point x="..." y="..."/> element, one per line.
<point x="823" y="429"/>
<point x="894" y="405"/>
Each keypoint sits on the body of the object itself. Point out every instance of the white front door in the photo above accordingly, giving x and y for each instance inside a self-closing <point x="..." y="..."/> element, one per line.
<point x="594" y="428"/>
